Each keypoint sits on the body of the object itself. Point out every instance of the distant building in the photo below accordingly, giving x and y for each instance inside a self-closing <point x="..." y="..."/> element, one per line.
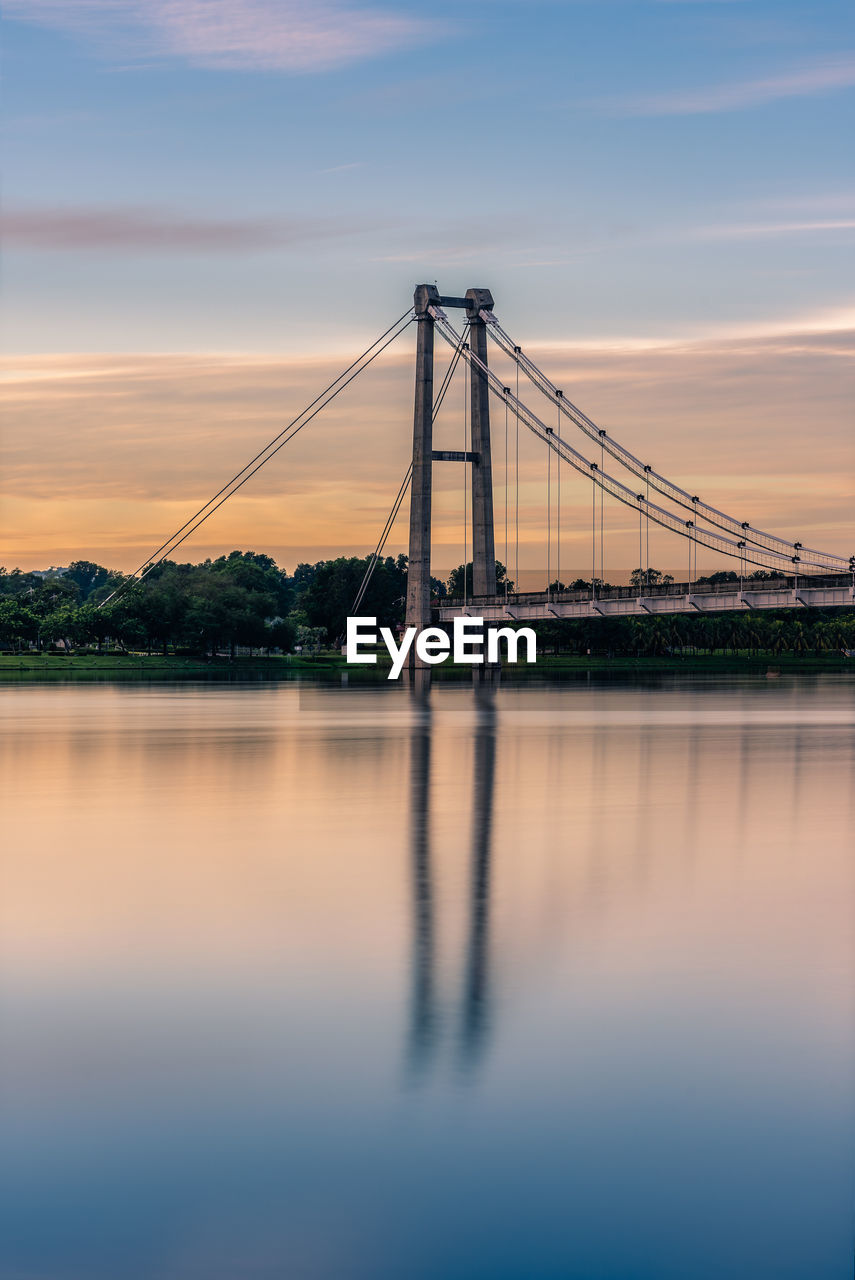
<point x="55" y="571"/>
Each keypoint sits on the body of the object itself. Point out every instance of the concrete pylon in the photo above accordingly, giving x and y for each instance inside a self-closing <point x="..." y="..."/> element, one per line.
<point x="483" y="537"/>
<point x="418" y="571"/>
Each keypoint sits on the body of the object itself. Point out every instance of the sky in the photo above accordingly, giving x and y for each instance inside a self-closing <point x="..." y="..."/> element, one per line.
<point x="211" y="206"/>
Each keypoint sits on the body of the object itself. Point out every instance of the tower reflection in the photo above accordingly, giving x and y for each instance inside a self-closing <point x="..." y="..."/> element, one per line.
<point x="423" y="987"/>
<point x="475" y="1023"/>
<point x="474" y="1017"/>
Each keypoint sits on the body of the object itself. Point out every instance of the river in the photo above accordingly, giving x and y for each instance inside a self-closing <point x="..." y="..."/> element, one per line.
<point x="327" y="982"/>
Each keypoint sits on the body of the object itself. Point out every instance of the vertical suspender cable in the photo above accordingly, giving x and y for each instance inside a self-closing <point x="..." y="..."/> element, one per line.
<point x="548" y="517"/>
<point x="465" y="482"/>
<point x="689" y="523"/>
<point x="517" y="488"/>
<point x="558" y="556"/>
<point x="647" y="529"/>
<point x="602" y="513"/>
<point x="507" y="570"/>
<point x="593" y="538"/>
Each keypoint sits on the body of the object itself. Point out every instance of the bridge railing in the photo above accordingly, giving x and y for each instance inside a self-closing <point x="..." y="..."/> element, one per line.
<point x="748" y="585"/>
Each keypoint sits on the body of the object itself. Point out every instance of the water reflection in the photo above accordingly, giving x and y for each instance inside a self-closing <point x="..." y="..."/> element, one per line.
<point x="423" y="982"/>
<point x="236" y="921"/>
<point x="474" y="1018"/>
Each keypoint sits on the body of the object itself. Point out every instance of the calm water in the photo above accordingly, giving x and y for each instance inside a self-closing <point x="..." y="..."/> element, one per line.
<point x="320" y="982"/>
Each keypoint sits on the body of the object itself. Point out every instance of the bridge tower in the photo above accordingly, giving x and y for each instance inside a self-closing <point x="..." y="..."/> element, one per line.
<point x="425" y="297"/>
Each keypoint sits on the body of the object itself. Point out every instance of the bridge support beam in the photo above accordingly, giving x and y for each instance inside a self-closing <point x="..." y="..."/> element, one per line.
<point x="483" y="537"/>
<point x="418" y="572"/>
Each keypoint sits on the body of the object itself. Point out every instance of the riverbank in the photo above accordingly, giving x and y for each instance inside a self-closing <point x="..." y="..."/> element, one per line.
<point x="142" y="666"/>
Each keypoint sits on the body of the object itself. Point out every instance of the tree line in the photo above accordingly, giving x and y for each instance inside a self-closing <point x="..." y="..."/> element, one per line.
<point x="241" y="599"/>
<point x="245" y="600"/>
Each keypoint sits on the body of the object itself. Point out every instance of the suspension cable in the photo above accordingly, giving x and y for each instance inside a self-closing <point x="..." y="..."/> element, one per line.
<point x="447" y="379"/>
<point x="263" y="457"/>
<point x="602" y="518"/>
<point x="548" y="515"/>
<point x="396" y="505"/>
<point x="387" y="528"/>
<point x="558" y="537"/>
<point x="689" y="527"/>
<point x="710" y="515"/>
<point x="507" y="573"/>
<point x="660" y="515"/>
<point x="594" y="538"/>
<point x="467" y="377"/>
<point x="647" y="531"/>
<point x="517" y="492"/>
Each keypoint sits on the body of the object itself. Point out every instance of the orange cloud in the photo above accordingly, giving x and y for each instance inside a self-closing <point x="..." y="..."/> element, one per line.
<point x="106" y="455"/>
<point x="120" y="229"/>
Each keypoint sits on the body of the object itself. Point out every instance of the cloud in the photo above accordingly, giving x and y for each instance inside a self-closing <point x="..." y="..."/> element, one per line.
<point x="834" y="325"/>
<point x="232" y="35"/>
<point x="110" y="453"/>
<point x="342" y="168"/>
<point x="748" y="230"/>
<point x="153" y="230"/>
<point x="822" y="77"/>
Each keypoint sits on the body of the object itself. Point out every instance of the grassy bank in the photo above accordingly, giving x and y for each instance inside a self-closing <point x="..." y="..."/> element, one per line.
<point x="142" y="666"/>
<point x="135" y="665"/>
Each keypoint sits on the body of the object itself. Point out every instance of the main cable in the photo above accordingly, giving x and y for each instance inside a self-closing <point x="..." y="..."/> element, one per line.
<point x="666" y="519"/>
<point x="668" y="489"/>
<point x="230" y="488"/>
<point x="405" y="484"/>
<point x="387" y="529"/>
<point x="272" y="442"/>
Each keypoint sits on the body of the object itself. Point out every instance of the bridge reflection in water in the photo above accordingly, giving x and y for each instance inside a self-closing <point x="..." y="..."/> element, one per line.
<point x="473" y="1022"/>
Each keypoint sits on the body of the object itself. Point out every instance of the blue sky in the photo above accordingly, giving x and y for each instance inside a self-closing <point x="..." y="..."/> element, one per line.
<point x="196" y="175"/>
<point x="209" y="203"/>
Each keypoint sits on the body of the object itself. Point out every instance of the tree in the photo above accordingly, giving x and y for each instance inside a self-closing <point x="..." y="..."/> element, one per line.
<point x="256" y="572"/>
<point x="17" y="583"/>
<point x="161" y="606"/>
<point x="280" y="633"/>
<point x="456" y="580"/>
<point x="87" y="576"/>
<point x="649" y="578"/>
<point x="309" y="639"/>
<point x="52" y="593"/>
<point x="798" y="639"/>
<point x="18" y="623"/>
<point x="329" y="598"/>
<point x="63" y="623"/>
<point x="581" y="584"/>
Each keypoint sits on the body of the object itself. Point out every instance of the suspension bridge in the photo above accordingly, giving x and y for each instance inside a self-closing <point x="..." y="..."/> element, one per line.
<point x="794" y="575"/>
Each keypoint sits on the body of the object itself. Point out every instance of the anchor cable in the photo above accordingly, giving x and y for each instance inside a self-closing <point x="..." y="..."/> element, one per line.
<point x="405" y="484"/>
<point x="289" y="432"/>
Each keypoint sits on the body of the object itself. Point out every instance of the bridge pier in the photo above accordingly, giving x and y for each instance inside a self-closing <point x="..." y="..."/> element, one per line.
<point x="418" y="570"/>
<point x="483" y="536"/>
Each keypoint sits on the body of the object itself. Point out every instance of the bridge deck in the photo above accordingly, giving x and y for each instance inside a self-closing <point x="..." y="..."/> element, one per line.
<point x="621" y="602"/>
